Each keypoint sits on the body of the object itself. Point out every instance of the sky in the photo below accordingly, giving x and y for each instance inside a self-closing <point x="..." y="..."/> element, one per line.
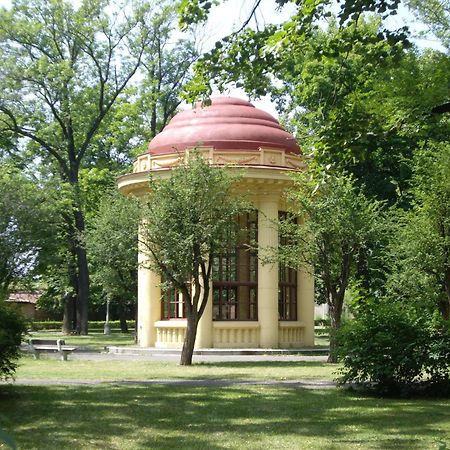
<point x="229" y="15"/>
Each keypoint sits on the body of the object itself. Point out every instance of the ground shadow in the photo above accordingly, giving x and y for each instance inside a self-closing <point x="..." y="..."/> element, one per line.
<point x="186" y="417"/>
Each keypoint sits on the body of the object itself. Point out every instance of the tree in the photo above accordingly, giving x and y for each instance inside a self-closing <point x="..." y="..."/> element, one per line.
<point x="364" y="112"/>
<point x="336" y="222"/>
<point x="436" y="15"/>
<point x="185" y="224"/>
<point x="420" y="250"/>
<point x="27" y="219"/>
<point x="111" y="240"/>
<point x="345" y="94"/>
<point x="62" y="73"/>
<point x="255" y="55"/>
<point x="146" y="106"/>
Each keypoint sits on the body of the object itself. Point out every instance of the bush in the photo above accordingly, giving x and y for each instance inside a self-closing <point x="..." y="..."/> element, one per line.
<point x="395" y="349"/>
<point x="12" y="328"/>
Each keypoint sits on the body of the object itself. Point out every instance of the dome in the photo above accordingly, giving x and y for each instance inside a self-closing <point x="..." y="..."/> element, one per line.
<point x="227" y="124"/>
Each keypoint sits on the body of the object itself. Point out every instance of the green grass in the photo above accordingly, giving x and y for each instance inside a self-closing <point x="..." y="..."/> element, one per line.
<point x="321" y="337"/>
<point x="238" y="417"/>
<point x="95" y="339"/>
<point x="113" y="370"/>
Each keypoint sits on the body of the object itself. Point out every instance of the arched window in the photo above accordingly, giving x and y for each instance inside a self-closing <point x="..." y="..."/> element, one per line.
<point x="235" y="273"/>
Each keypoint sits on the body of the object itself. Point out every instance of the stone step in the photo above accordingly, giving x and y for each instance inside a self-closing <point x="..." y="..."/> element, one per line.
<point x="217" y="351"/>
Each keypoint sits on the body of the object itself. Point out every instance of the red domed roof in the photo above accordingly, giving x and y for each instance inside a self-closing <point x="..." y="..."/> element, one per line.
<point x="227" y="124"/>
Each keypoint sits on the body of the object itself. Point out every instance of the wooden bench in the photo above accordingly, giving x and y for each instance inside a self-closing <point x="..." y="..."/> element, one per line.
<point x="50" y="345"/>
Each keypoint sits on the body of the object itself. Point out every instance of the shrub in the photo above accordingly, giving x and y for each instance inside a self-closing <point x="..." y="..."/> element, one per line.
<point x="12" y="328"/>
<point x="394" y="349"/>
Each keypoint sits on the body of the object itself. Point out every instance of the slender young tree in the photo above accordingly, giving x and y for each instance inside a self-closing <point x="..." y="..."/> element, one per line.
<point x="336" y="222"/>
<point x="185" y="224"/>
<point x="112" y="240"/>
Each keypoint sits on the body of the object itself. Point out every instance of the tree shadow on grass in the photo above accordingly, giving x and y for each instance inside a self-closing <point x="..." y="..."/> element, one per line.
<point x="245" y="370"/>
<point x="183" y="417"/>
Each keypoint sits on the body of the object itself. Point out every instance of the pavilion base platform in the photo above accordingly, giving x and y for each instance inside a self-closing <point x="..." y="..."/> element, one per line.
<point x="217" y="351"/>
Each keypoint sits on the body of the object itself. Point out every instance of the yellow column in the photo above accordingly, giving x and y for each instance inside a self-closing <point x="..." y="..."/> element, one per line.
<point x="205" y="326"/>
<point x="305" y="303"/>
<point x="149" y="302"/>
<point x="268" y="272"/>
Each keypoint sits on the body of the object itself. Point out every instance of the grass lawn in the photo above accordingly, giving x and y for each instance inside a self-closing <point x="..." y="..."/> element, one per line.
<point x="114" y="415"/>
<point x="238" y="417"/>
<point x="114" y="370"/>
<point x="95" y="339"/>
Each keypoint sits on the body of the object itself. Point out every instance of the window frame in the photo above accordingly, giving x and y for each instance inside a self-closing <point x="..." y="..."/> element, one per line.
<point x="287" y="284"/>
<point x="242" y="271"/>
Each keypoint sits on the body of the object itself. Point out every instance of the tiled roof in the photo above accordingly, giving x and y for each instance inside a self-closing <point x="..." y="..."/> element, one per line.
<point x="24" y="297"/>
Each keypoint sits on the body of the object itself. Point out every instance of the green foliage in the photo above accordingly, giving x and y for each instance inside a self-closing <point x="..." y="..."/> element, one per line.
<point x="393" y="347"/>
<point x="26" y="226"/>
<point x="111" y="240"/>
<point x="65" y="68"/>
<point x="364" y="110"/>
<point x="265" y="49"/>
<point x="12" y="329"/>
<point x="337" y="224"/>
<point x="308" y="12"/>
<point x="420" y="248"/>
<point x="186" y="220"/>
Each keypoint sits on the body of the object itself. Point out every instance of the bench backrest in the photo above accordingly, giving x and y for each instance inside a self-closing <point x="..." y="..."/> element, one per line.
<point x="56" y="342"/>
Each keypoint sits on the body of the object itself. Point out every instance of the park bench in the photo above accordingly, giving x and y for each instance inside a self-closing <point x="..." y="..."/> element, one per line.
<point x="50" y="345"/>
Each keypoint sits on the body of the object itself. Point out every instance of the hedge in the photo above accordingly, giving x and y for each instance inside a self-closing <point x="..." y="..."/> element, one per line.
<point x="93" y="325"/>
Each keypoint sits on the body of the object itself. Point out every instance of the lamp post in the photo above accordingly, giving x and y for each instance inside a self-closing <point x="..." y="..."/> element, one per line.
<point x="107" y="327"/>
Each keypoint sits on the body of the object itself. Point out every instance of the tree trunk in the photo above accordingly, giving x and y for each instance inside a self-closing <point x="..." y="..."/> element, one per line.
<point x="445" y="304"/>
<point x="189" y="340"/>
<point x="78" y="248"/>
<point x="69" y="311"/>
<point x="335" y="304"/>
<point x="83" y="292"/>
<point x="83" y="276"/>
<point x="122" y="319"/>
<point x="68" y="314"/>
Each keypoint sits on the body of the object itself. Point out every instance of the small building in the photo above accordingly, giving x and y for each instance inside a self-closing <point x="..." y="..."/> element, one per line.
<point x="26" y="302"/>
<point x="253" y="304"/>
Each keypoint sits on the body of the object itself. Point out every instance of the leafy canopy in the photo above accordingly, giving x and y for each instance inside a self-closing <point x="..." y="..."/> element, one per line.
<point x="186" y="219"/>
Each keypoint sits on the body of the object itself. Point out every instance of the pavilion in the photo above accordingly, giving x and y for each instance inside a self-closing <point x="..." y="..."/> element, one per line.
<point x="252" y="304"/>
